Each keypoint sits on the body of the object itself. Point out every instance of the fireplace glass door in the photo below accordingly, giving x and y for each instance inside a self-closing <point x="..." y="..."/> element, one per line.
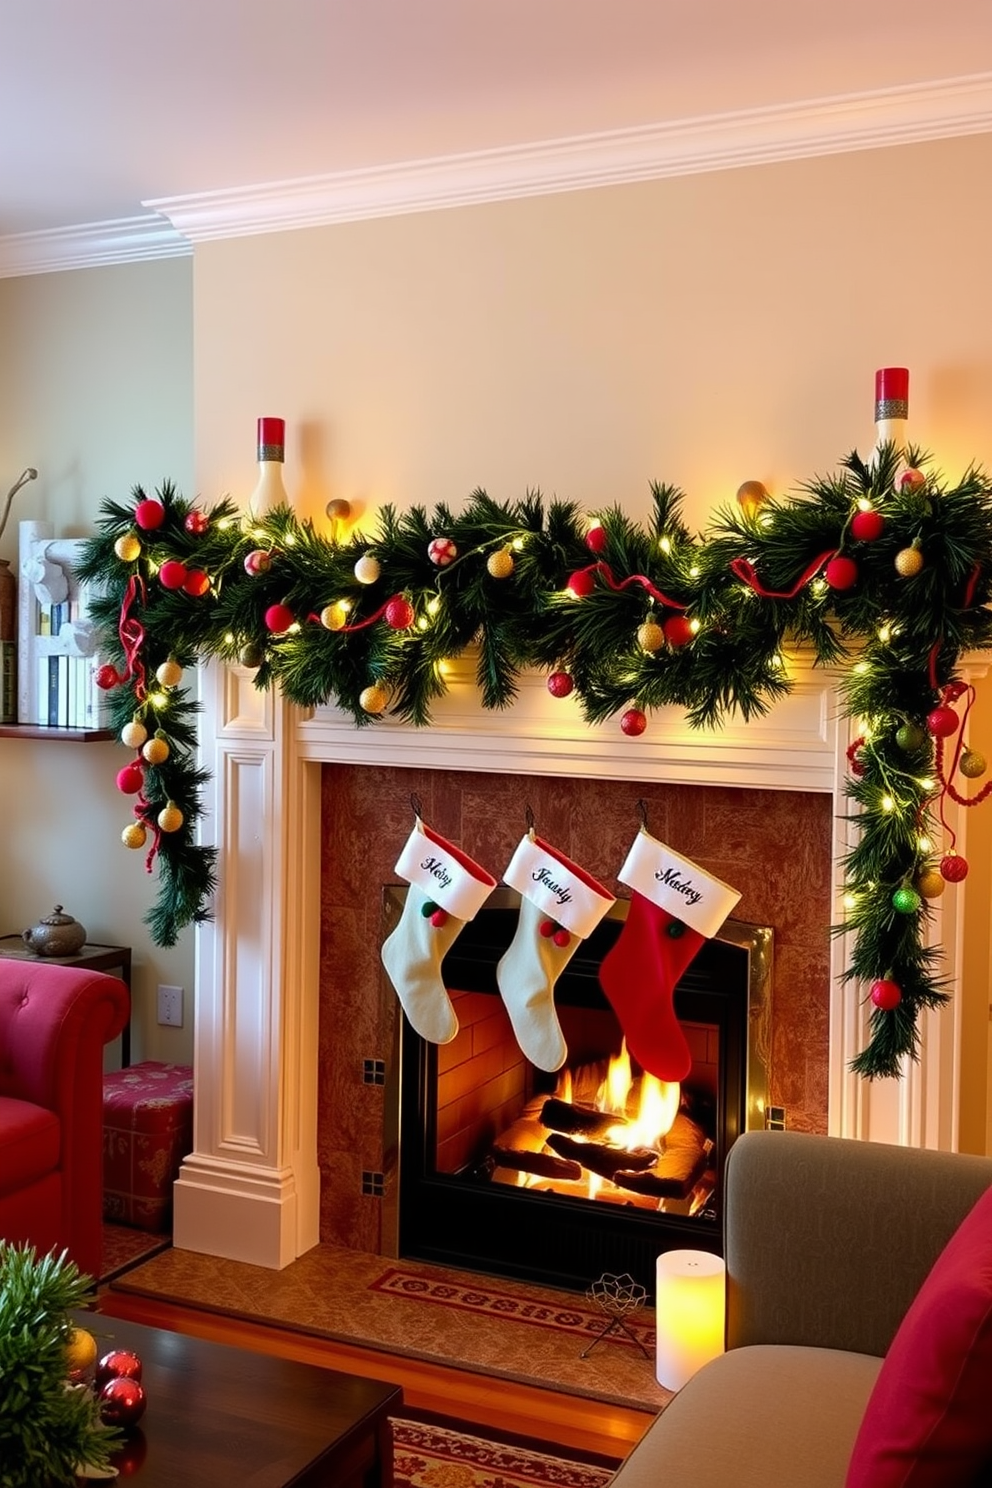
<point x="593" y="1169"/>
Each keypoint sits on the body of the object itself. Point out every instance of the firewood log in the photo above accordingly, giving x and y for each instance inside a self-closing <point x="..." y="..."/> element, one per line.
<point x="600" y="1158"/>
<point x="563" y="1116"/>
<point x="541" y="1164"/>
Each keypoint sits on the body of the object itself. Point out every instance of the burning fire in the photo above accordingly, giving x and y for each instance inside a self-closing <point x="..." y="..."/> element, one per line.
<point x="657" y="1103"/>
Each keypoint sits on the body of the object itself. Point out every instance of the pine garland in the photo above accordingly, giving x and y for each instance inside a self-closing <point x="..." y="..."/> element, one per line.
<point x="631" y="617"/>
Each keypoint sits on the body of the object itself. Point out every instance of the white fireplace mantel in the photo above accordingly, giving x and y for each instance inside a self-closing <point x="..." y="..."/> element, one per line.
<point x="250" y="1188"/>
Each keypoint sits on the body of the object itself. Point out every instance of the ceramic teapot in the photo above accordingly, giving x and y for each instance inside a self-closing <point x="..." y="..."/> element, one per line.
<point x="57" y="934"/>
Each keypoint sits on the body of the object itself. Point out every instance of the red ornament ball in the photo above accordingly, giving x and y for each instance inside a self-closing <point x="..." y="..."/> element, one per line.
<point x="561" y="937"/>
<point x="399" y="613"/>
<point x="130" y="779"/>
<point x="582" y="583"/>
<point x="149" y="514"/>
<point x="560" y="684"/>
<point x="678" y="630"/>
<point x="547" y="928"/>
<point x="910" y="480"/>
<point x="197" y="583"/>
<point x="942" y="722"/>
<point x="442" y="551"/>
<point x="886" y="994"/>
<point x="439" y="917"/>
<point x="867" y="526"/>
<point x="118" y="1364"/>
<point x="596" y="539"/>
<point x="633" y="722"/>
<point x="196" y="522"/>
<point x="106" y="677"/>
<point x="172" y="574"/>
<point x="121" y="1402"/>
<point x="278" y="618"/>
<point x="953" y="867"/>
<point x="841" y="573"/>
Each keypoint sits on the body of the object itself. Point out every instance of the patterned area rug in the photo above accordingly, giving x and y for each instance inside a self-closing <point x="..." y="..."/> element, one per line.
<point x="581" y="1321"/>
<point x="434" y="1456"/>
<point x="124" y="1247"/>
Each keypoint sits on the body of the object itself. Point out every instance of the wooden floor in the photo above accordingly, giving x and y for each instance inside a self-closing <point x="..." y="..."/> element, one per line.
<point x="523" y="1410"/>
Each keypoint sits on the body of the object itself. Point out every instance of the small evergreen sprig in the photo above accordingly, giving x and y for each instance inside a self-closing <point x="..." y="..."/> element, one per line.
<point x="47" y="1429"/>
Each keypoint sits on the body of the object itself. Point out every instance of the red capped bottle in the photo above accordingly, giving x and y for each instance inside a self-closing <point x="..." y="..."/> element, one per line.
<point x="269" y="491"/>
<point x="891" y="407"/>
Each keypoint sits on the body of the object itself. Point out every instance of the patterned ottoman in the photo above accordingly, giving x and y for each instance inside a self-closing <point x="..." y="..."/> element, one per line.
<point x="147" y="1131"/>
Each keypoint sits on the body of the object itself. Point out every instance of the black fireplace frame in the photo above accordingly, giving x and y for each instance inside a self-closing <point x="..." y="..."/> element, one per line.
<point x="551" y="1238"/>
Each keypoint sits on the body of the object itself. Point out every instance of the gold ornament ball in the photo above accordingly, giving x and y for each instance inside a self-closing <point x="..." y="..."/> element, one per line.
<point x="338" y="510"/>
<point x="170" y="673"/>
<point x="170" y="818"/>
<point x="930" y="884"/>
<point x="80" y="1350"/>
<point x="500" y="564"/>
<point x="972" y="764"/>
<point x="909" y="562"/>
<point x="334" y="616"/>
<point x="134" y="734"/>
<point x="134" y="835"/>
<point x="367" y="569"/>
<point x="127" y="548"/>
<point x="373" y="699"/>
<point x="650" y="637"/>
<point x="751" y="495"/>
<point x="156" y="751"/>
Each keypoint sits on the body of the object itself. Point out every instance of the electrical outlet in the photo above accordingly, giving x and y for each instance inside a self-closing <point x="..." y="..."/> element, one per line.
<point x="170" y="1007"/>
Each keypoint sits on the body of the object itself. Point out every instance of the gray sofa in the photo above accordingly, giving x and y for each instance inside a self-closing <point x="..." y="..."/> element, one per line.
<point x="827" y="1242"/>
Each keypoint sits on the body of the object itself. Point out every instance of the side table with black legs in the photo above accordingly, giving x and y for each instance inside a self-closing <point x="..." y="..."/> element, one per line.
<point x="96" y="957"/>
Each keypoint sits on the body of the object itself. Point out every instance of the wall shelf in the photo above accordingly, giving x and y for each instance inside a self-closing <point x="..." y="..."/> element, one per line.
<point x="45" y="731"/>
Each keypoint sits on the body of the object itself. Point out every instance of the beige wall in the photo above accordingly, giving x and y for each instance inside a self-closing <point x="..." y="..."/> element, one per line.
<point x="702" y="330"/>
<point x="96" y="391"/>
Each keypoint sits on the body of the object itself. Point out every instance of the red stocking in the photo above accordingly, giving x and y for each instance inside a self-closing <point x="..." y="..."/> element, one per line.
<point x="674" y="908"/>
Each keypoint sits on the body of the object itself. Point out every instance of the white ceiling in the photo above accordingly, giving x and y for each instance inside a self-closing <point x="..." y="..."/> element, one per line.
<point x="116" y="114"/>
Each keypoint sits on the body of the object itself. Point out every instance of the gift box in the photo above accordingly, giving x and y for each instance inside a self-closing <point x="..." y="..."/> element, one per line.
<point x="147" y="1131"/>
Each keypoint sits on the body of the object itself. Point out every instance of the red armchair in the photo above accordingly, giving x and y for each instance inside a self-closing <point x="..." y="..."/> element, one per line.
<point x="54" y="1023"/>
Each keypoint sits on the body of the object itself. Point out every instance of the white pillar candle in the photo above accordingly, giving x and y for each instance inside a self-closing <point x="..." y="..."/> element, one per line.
<point x="689" y="1307"/>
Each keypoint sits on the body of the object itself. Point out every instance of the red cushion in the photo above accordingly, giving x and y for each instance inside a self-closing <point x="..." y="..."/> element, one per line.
<point x="928" y="1422"/>
<point x="30" y="1140"/>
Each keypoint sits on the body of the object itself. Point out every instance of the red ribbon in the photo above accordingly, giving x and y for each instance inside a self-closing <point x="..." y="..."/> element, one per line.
<point x="744" y="569"/>
<point x="132" y="636"/>
<point x="606" y="571"/>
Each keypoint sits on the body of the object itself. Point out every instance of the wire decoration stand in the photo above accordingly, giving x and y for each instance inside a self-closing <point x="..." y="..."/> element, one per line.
<point x="616" y="1297"/>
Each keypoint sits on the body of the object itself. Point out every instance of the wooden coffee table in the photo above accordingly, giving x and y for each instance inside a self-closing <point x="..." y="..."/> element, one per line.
<point x="226" y="1416"/>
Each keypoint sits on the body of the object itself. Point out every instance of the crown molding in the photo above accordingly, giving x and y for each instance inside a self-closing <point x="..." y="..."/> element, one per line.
<point x="826" y="126"/>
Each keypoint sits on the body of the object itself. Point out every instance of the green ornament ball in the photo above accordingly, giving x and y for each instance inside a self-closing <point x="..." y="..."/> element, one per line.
<point x="910" y="737"/>
<point x="906" y="900"/>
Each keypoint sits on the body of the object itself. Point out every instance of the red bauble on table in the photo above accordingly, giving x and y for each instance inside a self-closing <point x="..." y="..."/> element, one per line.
<point x="172" y="574"/>
<point x="953" y="867"/>
<point x="121" y="1402"/>
<point x="886" y="994"/>
<point x="149" y="514"/>
<point x="560" y="684"/>
<point x="942" y="722"/>
<point x="841" y="573"/>
<point x="118" y="1364"/>
<point x="633" y="722"/>
<point x="867" y="526"/>
<point x="678" y="630"/>
<point x="596" y="539"/>
<point x="399" y="613"/>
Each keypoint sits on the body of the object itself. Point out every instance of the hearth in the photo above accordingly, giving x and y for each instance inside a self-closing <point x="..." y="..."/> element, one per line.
<point x="559" y="1178"/>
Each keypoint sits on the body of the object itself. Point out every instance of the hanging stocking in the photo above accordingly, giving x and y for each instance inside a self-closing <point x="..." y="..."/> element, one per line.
<point x="446" y="891"/>
<point x="560" y="905"/>
<point x="675" y="906"/>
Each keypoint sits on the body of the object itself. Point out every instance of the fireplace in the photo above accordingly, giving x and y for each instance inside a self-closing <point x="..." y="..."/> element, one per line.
<point x="559" y="1178"/>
